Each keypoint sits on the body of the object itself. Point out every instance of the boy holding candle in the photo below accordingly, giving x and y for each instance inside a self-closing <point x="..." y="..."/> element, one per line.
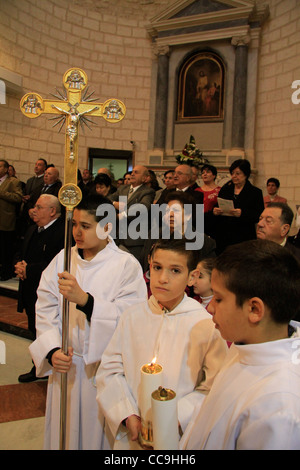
<point x="254" y="403"/>
<point x="171" y="326"/>
<point x="103" y="282"/>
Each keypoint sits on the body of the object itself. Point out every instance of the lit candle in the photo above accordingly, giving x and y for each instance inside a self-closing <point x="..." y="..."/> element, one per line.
<point x="164" y="419"/>
<point x="151" y="379"/>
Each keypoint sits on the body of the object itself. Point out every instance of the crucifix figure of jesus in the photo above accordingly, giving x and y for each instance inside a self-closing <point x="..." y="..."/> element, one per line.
<point x="72" y="128"/>
<point x="72" y="107"/>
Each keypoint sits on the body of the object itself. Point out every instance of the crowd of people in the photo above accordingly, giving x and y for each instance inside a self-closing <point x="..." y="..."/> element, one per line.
<point x="222" y="319"/>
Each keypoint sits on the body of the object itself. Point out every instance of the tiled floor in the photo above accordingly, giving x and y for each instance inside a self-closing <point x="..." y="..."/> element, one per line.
<point x="21" y="405"/>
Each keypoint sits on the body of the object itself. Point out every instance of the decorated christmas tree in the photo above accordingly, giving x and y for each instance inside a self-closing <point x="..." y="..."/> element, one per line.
<point x="191" y="155"/>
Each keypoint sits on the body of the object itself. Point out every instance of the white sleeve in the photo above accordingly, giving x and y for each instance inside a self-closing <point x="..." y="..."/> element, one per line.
<point x="48" y="318"/>
<point x="113" y="393"/>
<point x="266" y="428"/>
<point x="214" y="358"/>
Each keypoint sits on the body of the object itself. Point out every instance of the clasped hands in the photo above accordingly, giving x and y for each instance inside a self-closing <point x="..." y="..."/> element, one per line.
<point x="20" y="269"/>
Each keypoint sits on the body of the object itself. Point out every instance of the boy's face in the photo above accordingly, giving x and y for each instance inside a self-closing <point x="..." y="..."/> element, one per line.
<point x="85" y="232"/>
<point x="230" y="319"/>
<point x="169" y="276"/>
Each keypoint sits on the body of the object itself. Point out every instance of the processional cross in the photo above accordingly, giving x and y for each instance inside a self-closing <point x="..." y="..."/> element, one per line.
<point x="71" y="108"/>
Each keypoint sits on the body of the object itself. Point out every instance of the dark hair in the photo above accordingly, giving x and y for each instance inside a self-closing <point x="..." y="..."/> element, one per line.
<point x="243" y="165"/>
<point x="181" y="196"/>
<point x="208" y="264"/>
<point x="6" y="164"/>
<point x="102" y="178"/>
<point x="91" y="203"/>
<point x="178" y="246"/>
<point x="45" y="162"/>
<point x="275" y="181"/>
<point x="211" y="168"/>
<point x="168" y="171"/>
<point x="287" y="214"/>
<point x="264" y="269"/>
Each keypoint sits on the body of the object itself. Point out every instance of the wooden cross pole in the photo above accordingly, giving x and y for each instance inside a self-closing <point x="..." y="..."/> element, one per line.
<point x="72" y="107"/>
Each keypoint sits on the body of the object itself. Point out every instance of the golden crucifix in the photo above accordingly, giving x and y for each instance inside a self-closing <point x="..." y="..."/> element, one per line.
<point x="73" y="107"/>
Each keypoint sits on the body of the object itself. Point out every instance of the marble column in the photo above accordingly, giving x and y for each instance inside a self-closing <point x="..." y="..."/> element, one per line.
<point x="239" y="92"/>
<point x="161" y="105"/>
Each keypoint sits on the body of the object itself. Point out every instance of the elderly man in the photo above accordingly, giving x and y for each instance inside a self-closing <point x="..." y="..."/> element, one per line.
<point x="10" y="199"/>
<point x="274" y="224"/>
<point x="184" y="181"/>
<point x="42" y="242"/>
<point x="137" y="193"/>
<point x="52" y="185"/>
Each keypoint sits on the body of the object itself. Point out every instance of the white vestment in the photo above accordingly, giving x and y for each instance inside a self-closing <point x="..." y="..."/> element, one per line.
<point x="254" y="403"/>
<point x="185" y="343"/>
<point x="114" y="278"/>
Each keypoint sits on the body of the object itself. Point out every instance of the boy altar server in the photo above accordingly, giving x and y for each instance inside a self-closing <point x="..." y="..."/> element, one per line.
<point x="103" y="282"/>
<point x="171" y="326"/>
<point x="254" y="402"/>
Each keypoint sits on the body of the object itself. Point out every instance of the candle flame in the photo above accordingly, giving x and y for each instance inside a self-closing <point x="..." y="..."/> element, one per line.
<point x="153" y="361"/>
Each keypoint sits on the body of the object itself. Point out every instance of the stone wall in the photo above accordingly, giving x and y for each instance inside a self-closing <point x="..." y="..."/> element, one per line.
<point x="278" y="119"/>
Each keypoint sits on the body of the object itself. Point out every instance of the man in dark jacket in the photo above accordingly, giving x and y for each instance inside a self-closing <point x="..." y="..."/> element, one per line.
<point x="42" y="242"/>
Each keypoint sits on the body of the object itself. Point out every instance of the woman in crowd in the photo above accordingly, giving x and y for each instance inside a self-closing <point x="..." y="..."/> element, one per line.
<point x="103" y="184"/>
<point x="238" y="224"/>
<point x="210" y="197"/>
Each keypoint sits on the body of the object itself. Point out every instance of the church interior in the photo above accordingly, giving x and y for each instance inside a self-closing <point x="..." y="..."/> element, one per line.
<point x="147" y="54"/>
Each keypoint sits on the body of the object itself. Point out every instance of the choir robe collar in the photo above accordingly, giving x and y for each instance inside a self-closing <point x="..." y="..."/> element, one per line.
<point x="268" y="352"/>
<point x="101" y="256"/>
<point x="186" y="305"/>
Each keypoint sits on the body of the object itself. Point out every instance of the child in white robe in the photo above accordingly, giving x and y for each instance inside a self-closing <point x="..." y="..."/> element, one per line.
<point x="171" y="326"/>
<point x="254" y="403"/>
<point x="103" y="282"/>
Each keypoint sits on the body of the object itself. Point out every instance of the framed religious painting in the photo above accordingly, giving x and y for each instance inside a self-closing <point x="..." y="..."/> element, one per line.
<point x="201" y="88"/>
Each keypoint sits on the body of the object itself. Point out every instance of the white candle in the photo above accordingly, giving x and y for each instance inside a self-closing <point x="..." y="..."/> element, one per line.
<point x="164" y="419"/>
<point x="151" y="379"/>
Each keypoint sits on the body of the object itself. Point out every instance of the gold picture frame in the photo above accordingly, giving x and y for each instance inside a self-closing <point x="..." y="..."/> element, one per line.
<point x="201" y="88"/>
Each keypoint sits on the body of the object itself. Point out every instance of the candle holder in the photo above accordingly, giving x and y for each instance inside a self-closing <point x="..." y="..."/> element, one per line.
<point x="165" y="433"/>
<point x="151" y="378"/>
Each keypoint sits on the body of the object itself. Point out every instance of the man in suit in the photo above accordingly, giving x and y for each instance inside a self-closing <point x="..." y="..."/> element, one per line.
<point x="274" y="224"/>
<point x="137" y="193"/>
<point x="52" y="185"/>
<point x="35" y="181"/>
<point x="10" y="199"/>
<point x="42" y="242"/>
<point x="184" y="181"/>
